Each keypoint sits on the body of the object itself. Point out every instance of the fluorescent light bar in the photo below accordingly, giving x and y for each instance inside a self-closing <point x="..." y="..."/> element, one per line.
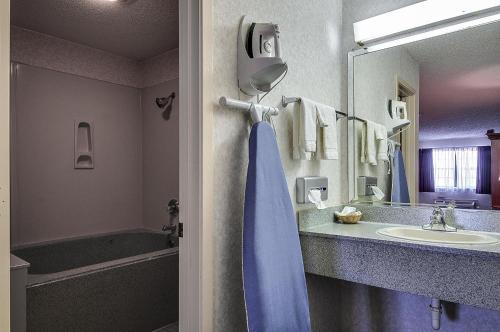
<point x="434" y="33"/>
<point x="419" y="15"/>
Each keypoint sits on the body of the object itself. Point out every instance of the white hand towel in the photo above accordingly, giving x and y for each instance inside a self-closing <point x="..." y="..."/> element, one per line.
<point x="299" y="152"/>
<point x="328" y="120"/>
<point x="373" y="143"/>
<point x="305" y="121"/>
<point x="381" y="136"/>
<point x="308" y="120"/>
<point x="369" y="144"/>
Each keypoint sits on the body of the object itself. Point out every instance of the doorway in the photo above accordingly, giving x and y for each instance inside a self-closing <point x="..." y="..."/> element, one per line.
<point x="95" y="164"/>
<point x="409" y="138"/>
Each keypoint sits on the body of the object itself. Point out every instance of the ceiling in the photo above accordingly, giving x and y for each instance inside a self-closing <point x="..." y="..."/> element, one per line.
<point x="459" y="83"/>
<point x="137" y="29"/>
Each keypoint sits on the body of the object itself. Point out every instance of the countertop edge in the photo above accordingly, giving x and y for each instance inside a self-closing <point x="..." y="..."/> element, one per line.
<point x="407" y="244"/>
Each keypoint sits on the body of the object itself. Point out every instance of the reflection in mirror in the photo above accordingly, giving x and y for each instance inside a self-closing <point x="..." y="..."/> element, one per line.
<point x="426" y="121"/>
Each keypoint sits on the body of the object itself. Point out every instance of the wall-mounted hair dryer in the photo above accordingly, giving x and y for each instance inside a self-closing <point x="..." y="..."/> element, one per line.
<point x="259" y="56"/>
<point x="398" y="117"/>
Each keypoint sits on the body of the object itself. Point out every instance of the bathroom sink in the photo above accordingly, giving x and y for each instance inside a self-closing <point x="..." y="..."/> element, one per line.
<point x="459" y="237"/>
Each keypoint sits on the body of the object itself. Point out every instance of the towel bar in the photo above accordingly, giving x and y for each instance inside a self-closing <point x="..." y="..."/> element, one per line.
<point x="289" y="100"/>
<point x="257" y="111"/>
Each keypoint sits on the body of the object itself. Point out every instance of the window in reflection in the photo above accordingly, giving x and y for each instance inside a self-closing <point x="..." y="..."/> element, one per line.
<point x="455" y="169"/>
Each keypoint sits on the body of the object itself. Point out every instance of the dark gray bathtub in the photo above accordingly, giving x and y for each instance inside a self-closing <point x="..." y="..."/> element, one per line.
<point x="117" y="282"/>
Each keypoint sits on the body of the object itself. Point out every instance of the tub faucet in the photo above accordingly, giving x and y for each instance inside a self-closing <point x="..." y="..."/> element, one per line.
<point x="438" y="222"/>
<point x="173" y="211"/>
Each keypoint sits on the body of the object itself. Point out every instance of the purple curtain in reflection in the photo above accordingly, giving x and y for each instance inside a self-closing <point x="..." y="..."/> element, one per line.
<point x="483" y="182"/>
<point x="426" y="181"/>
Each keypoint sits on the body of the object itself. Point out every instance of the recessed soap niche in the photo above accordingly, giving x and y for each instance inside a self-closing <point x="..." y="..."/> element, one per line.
<point x="84" y="145"/>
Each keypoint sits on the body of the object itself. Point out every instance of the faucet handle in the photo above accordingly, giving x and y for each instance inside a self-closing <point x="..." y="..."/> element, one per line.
<point x="437" y="216"/>
<point x="437" y="211"/>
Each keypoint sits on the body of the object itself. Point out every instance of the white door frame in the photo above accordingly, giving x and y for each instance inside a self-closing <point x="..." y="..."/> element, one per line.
<point x="4" y="166"/>
<point x="195" y="171"/>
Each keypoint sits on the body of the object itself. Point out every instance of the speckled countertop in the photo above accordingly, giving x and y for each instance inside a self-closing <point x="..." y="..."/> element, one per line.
<point x="468" y="274"/>
<point x="367" y="231"/>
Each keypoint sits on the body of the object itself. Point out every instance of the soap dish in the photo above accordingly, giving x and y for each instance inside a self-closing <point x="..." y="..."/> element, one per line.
<point x="349" y="219"/>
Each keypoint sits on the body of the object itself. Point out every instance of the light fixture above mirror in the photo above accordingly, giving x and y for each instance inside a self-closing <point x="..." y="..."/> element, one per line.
<point x="423" y="20"/>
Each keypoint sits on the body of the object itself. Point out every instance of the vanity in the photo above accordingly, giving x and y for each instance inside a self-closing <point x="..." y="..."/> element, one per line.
<point x="418" y="114"/>
<point x="455" y="272"/>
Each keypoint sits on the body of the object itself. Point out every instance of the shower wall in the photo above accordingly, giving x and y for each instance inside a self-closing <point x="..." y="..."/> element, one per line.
<point x="41" y="50"/>
<point x="52" y="199"/>
<point x="58" y="82"/>
<point x="160" y="154"/>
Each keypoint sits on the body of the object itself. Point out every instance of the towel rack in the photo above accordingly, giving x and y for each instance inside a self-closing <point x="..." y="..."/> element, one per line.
<point x="289" y="100"/>
<point x="257" y="111"/>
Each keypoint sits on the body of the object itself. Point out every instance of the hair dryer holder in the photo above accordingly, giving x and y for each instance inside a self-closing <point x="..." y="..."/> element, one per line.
<point x="258" y="71"/>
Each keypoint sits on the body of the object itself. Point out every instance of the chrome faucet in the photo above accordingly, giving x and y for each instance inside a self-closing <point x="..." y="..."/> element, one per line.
<point x="438" y="222"/>
<point x="449" y="215"/>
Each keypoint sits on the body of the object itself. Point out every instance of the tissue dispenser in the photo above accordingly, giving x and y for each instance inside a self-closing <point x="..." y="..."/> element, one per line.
<point x="365" y="184"/>
<point x="305" y="184"/>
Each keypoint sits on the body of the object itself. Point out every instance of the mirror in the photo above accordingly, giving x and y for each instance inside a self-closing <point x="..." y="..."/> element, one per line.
<point x="421" y="113"/>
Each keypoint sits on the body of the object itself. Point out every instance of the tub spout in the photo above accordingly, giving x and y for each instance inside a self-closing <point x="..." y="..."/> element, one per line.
<point x="171" y="228"/>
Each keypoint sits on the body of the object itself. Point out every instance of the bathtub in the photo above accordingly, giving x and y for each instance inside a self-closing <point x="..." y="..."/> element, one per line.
<point x="127" y="281"/>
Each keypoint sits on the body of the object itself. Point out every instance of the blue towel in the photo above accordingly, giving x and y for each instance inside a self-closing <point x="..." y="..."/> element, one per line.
<point x="273" y="270"/>
<point x="400" y="192"/>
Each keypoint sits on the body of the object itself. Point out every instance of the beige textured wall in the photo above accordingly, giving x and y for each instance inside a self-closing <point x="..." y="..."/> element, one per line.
<point x="311" y="42"/>
<point x="4" y="168"/>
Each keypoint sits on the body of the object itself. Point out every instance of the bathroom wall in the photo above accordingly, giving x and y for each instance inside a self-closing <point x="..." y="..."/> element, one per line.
<point x="310" y="37"/>
<point x="160" y="154"/>
<point x="375" y="82"/>
<point x="53" y="200"/>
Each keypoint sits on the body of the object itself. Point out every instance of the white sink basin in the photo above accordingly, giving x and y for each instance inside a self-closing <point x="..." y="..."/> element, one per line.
<point x="459" y="237"/>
